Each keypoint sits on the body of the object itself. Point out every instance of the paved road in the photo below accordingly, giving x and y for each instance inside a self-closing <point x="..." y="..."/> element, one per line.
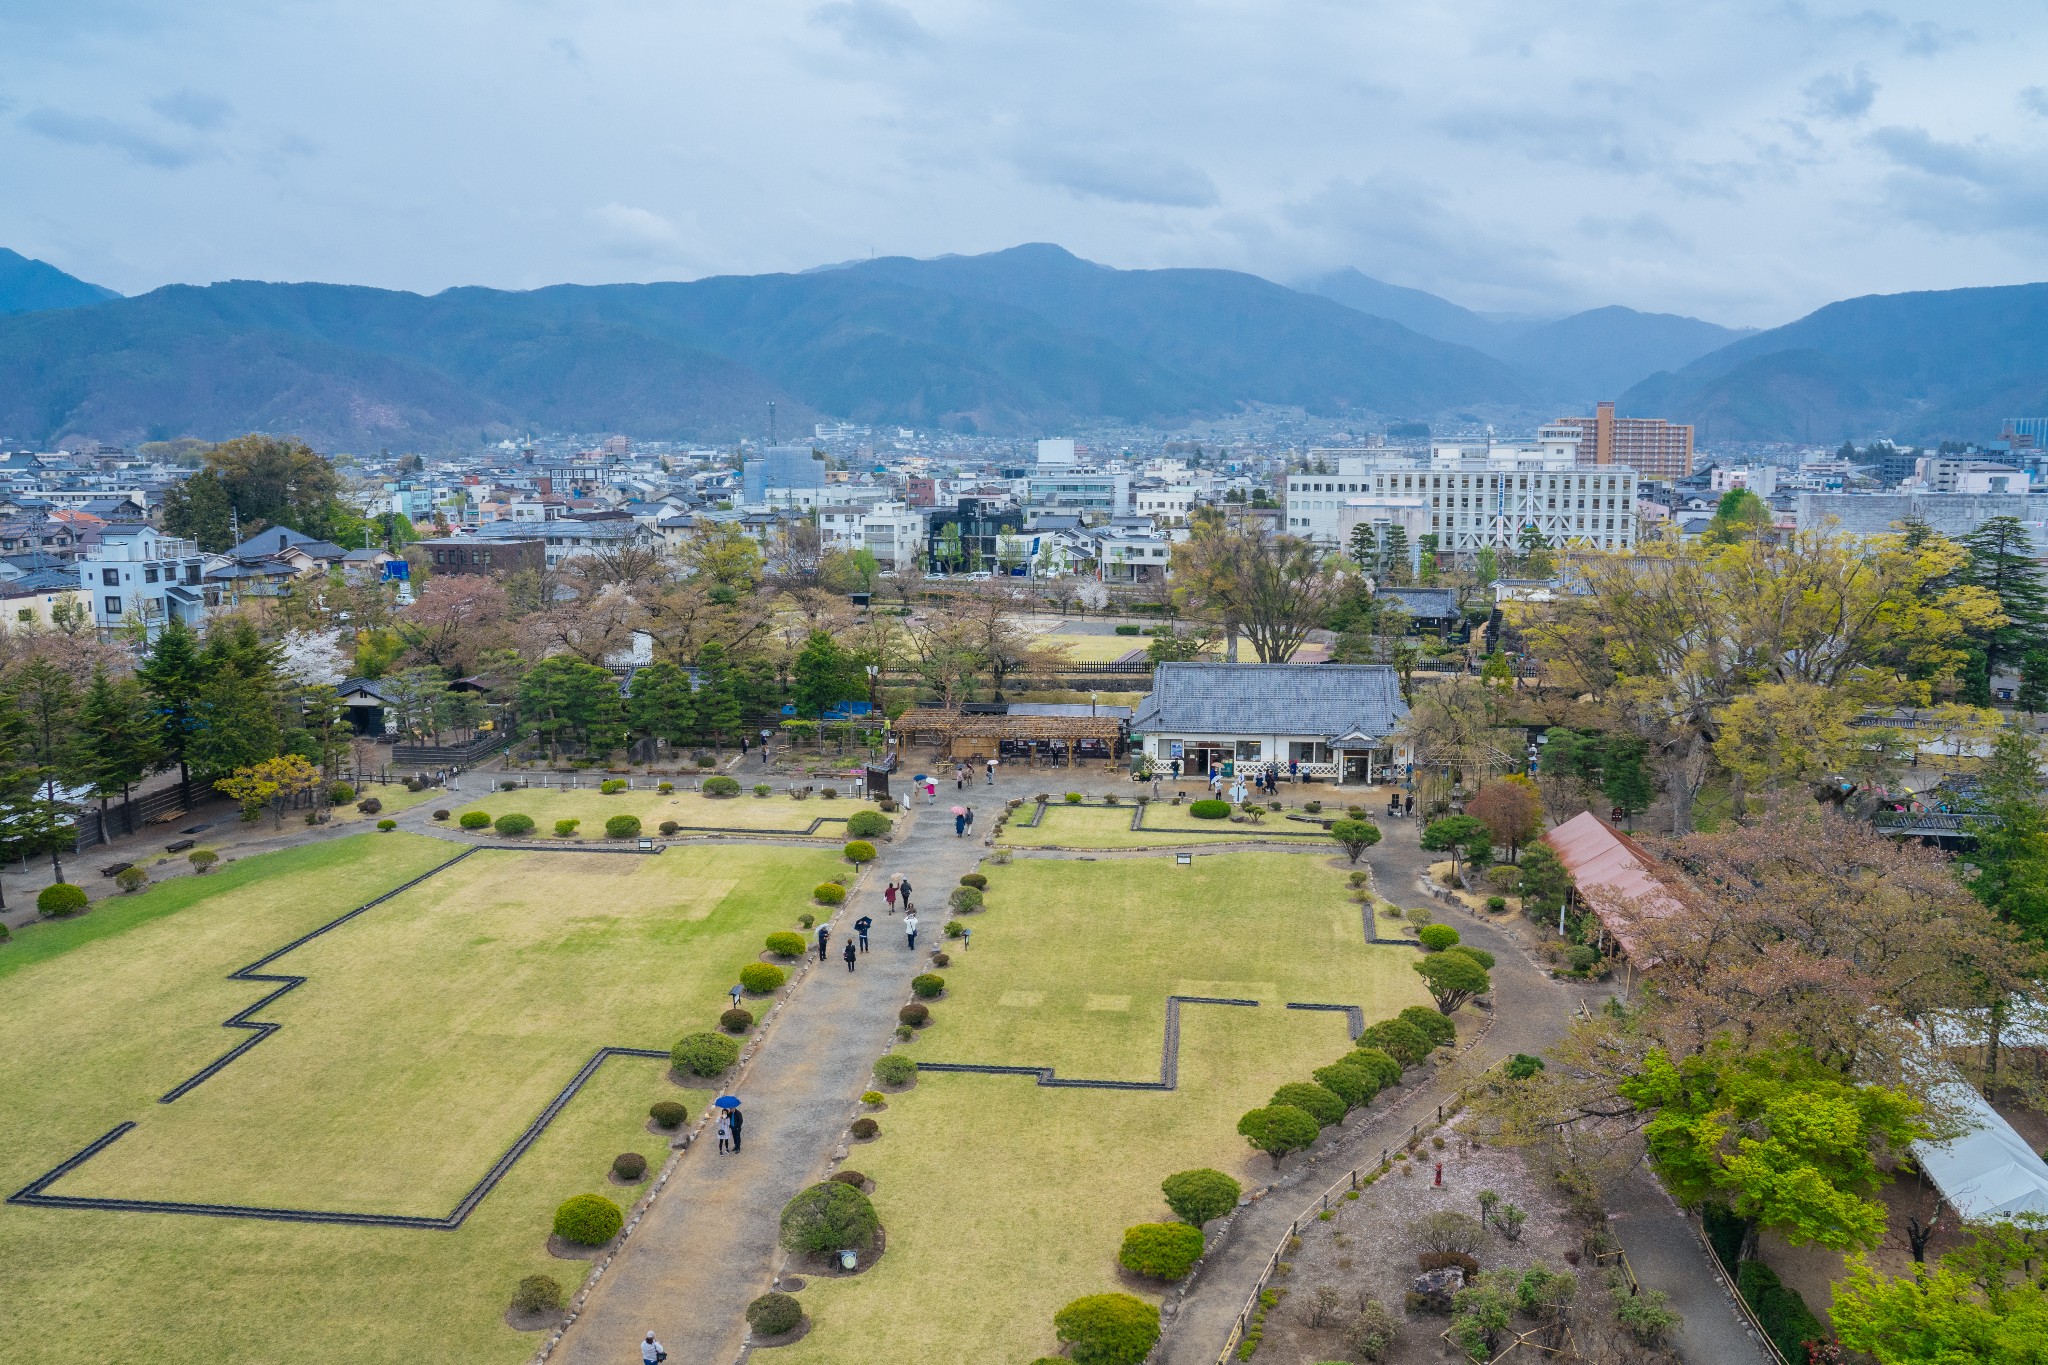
<point x="707" y="1245"/>
<point x="1667" y="1256"/>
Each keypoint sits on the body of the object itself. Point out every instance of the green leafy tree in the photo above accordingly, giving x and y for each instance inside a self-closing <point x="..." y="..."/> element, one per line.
<point x="825" y="675"/>
<point x="1785" y="1142"/>
<point x="660" y="704"/>
<point x="1365" y="547"/>
<point x="1278" y="1129"/>
<point x="2011" y="858"/>
<point x="1545" y="884"/>
<point x="1536" y="559"/>
<point x="2032" y="696"/>
<point x="1939" y="1315"/>
<point x="48" y="703"/>
<point x="1356" y="836"/>
<point x="1740" y="515"/>
<point x="1457" y="835"/>
<point x="1452" y="978"/>
<point x="267" y="481"/>
<point x="718" y="700"/>
<point x="29" y="822"/>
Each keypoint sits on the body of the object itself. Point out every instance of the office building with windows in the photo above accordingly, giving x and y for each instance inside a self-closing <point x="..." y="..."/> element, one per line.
<point x="1655" y="448"/>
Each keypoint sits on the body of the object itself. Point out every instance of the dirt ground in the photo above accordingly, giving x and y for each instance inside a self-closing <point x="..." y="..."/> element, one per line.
<point x="1364" y="1250"/>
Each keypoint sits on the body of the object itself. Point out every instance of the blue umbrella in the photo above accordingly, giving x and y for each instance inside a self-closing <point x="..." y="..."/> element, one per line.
<point x="727" y="1101"/>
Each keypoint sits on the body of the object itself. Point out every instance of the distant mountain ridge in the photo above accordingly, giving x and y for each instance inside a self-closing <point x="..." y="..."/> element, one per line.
<point x="1574" y="361"/>
<point x="31" y="286"/>
<point x="1925" y="366"/>
<point x="1025" y="340"/>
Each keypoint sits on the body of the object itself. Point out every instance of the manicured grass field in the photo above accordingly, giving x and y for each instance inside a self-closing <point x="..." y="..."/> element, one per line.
<point x="769" y="814"/>
<point x="1099" y="827"/>
<point x="1005" y="1200"/>
<point x="430" y="1031"/>
<point x="1094" y="649"/>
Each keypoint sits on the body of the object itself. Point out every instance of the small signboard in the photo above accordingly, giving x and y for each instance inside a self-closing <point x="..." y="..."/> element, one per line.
<point x="1184" y="859"/>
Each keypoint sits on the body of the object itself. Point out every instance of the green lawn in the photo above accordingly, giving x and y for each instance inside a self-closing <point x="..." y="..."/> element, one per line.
<point x="1100" y="827"/>
<point x="1004" y="1200"/>
<point x="775" y="814"/>
<point x="430" y="1031"/>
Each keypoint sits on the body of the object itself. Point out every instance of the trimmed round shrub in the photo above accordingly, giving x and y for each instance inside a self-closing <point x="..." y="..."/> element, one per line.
<point x="1161" y="1251"/>
<point x="736" y="1020"/>
<point x="914" y="1014"/>
<point x="1324" y="1106"/>
<point x="1350" y="1081"/>
<point x="629" y="1165"/>
<point x="60" y="899"/>
<point x="588" y="1220"/>
<point x="1436" y="937"/>
<point x="386" y="826"/>
<point x="941" y="960"/>
<point x="1522" y="1066"/>
<point x="1440" y="1030"/>
<point x="1278" y="1129"/>
<point x="965" y="899"/>
<point x="786" y="944"/>
<point x="868" y="824"/>
<point x="955" y="929"/>
<point x="763" y="789"/>
<point x="927" y="985"/>
<point x="806" y="919"/>
<point x="893" y="1068"/>
<point x="703" y="1054"/>
<point x="771" y="1315"/>
<point x="611" y="786"/>
<point x="721" y="786"/>
<point x="1399" y="1039"/>
<point x="1108" y="1329"/>
<point x="873" y="1097"/>
<point x="538" y="1294"/>
<point x="849" y="1177"/>
<point x="859" y="851"/>
<point x="1207" y="809"/>
<point x="508" y="785"/>
<point x="202" y="859"/>
<point x="828" y="1218"/>
<point x="762" y="978"/>
<point x="665" y="787"/>
<point x="1385" y="1069"/>
<point x="369" y="805"/>
<point x="1200" y="1195"/>
<point x="474" y="819"/>
<point x="622" y="827"/>
<point x="975" y="880"/>
<point x="132" y="878"/>
<point x="566" y="828"/>
<point x="828" y="893"/>
<point x="340" y="794"/>
<point x="442" y="814"/>
<point x="514" y="825"/>
<point x="669" y="827"/>
<point x="1496" y="902"/>
<point x="864" y="1129"/>
<point x="1479" y="955"/>
<point x="669" y="1114"/>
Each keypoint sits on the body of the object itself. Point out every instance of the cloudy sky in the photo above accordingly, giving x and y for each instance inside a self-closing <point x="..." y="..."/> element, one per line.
<point x="1741" y="160"/>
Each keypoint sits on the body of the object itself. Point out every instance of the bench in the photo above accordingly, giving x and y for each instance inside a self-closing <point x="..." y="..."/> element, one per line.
<point x="115" y="869"/>
<point x="180" y="845"/>
<point x="169" y="817"/>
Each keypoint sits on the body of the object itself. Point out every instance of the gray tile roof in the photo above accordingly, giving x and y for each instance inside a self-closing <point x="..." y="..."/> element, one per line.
<point x="1325" y="700"/>
<point x="1433" y="603"/>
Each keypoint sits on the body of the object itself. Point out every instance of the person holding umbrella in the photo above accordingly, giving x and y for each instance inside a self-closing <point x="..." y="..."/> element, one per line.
<point x="861" y="927"/>
<point x="959" y="821"/>
<point x="730" y="1117"/>
<point x="824" y="934"/>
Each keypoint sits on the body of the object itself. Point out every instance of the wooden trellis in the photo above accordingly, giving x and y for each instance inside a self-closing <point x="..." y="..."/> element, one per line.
<point x="982" y="733"/>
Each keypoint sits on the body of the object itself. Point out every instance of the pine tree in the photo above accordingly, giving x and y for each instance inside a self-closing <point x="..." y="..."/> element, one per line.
<point x="661" y="706"/>
<point x="1394" y="555"/>
<point x="1365" y="547"/>
<point x="2002" y="563"/>
<point x="118" y="742"/>
<point x="25" y="826"/>
<point x="2032" y="696"/>
<point x="718" y="703"/>
<point x="49" y="706"/>
<point x="170" y="674"/>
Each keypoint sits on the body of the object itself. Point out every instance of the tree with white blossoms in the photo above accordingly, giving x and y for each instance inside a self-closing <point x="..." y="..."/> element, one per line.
<point x="312" y="658"/>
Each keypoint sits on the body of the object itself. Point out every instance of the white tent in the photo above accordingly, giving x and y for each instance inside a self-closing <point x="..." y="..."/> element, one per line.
<point x="1989" y="1174"/>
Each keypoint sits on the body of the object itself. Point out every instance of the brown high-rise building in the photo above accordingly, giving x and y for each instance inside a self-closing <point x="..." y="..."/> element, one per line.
<point x="1653" y="447"/>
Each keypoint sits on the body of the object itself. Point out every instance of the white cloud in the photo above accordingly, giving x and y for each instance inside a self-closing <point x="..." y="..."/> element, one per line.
<point x="635" y="233"/>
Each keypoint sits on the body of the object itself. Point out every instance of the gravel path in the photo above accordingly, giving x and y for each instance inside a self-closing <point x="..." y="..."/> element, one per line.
<point x="707" y="1244"/>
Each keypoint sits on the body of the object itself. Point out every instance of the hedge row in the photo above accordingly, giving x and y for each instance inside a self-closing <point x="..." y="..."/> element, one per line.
<point x="1300" y="1110"/>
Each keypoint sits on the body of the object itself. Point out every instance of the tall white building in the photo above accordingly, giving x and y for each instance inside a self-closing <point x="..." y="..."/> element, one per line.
<point x="1474" y="496"/>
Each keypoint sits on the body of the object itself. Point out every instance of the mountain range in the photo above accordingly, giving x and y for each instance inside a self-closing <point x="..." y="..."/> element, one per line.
<point x="1027" y="340"/>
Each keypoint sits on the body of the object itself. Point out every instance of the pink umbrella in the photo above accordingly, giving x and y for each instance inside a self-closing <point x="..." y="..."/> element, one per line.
<point x="959" y="810"/>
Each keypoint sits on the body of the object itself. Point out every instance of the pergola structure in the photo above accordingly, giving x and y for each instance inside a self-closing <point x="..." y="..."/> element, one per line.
<point x="960" y="735"/>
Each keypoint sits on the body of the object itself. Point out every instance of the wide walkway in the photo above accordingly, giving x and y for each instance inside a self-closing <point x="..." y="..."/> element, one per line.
<point x="1666" y="1255"/>
<point x="707" y="1246"/>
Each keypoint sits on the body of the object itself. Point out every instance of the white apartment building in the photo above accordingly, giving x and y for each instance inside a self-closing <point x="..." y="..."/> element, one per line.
<point x="1475" y="495"/>
<point x="1169" y="503"/>
<point x="891" y="531"/>
<point x="137" y="573"/>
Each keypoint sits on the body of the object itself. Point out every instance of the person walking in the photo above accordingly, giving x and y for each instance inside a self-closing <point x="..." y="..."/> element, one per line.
<point x="970" y="819"/>
<point x="651" y="1352"/>
<point x="738" y="1120"/>
<point x="889" y="895"/>
<point x="848" y="954"/>
<point x="824" y="935"/>
<point x="910" y="931"/>
<point x="861" y="927"/>
<point x="1411" y="803"/>
<point x="959" y="777"/>
<point x="931" y="791"/>
<point x="724" y="1130"/>
<point x="960" y="824"/>
<point x="903" y="890"/>
<point x="991" y="772"/>
<point x="1173" y="766"/>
